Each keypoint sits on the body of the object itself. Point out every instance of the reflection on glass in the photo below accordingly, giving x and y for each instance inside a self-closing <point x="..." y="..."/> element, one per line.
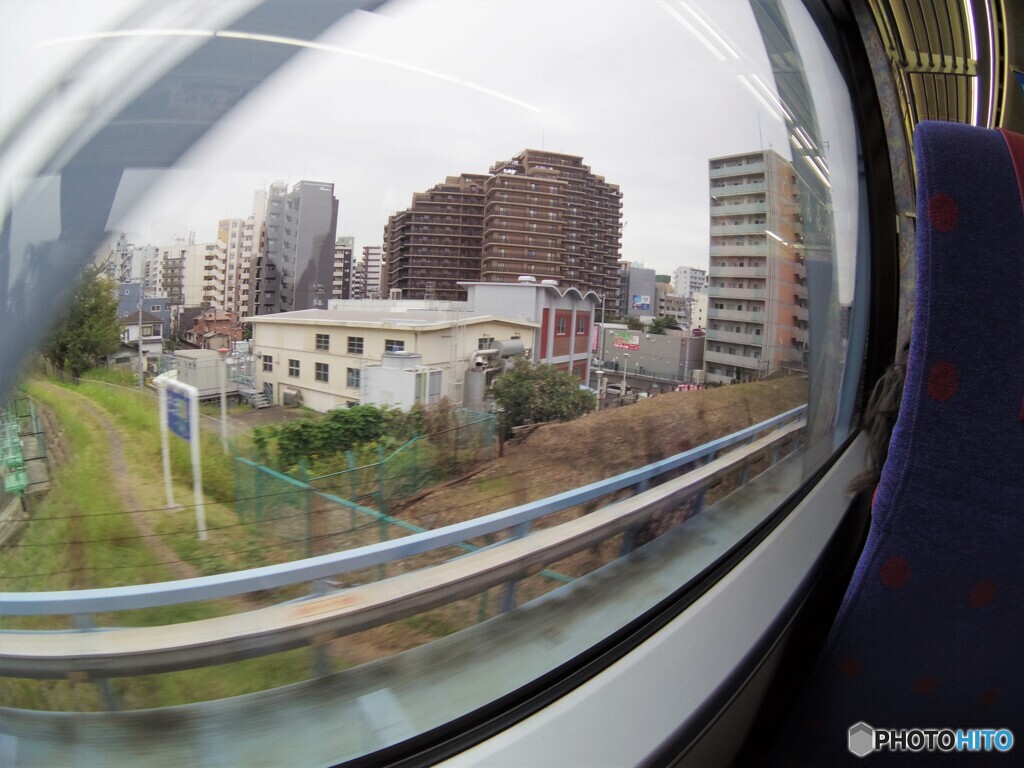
<point x="399" y="203"/>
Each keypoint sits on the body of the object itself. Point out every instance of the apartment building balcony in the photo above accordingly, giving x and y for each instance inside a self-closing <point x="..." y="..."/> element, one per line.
<point x="735" y="338"/>
<point x="740" y="250"/>
<point x="736" y="170"/>
<point x="739" y="209"/>
<point x="737" y="229"/>
<point x="738" y="271"/>
<point x="737" y="361"/>
<point x="736" y="293"/>
<point x="736" y="314"/>
<point x="725" y="190"/>
<point x="800" y="313"/>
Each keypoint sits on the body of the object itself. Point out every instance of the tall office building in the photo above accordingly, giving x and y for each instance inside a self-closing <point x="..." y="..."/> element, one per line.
<point x="295" y="269"/>
<point x="757" y="312"/>
<point x="341" y="285"/>
<point x="639" y="290"/>
<point x="541" y="213"/>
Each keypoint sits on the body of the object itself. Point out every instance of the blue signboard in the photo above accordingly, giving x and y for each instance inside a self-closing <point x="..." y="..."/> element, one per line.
<point x="177" y="413"/>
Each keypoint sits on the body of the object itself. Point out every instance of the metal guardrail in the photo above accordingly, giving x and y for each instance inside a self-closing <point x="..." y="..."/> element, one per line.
<point x="317" y="620"/>
<point x="85" y="601"/>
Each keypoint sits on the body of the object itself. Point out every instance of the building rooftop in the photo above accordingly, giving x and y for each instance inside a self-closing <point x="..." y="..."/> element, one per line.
<point x="378" y="316"/>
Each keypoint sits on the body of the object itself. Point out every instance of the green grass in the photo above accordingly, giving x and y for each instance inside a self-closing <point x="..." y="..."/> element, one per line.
<point x="136" y="412"/>
<point x="84" y="502"/>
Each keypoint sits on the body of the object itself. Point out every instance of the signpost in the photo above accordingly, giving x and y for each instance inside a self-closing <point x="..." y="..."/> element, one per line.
<point x="179" y="413"/>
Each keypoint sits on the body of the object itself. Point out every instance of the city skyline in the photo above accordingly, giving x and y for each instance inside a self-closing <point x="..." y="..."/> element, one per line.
<point x="388" y="102"/>
<point x="392" y="131"/>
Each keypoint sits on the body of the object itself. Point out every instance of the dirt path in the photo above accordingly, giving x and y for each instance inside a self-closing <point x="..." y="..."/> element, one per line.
<point x="120" y="481"/>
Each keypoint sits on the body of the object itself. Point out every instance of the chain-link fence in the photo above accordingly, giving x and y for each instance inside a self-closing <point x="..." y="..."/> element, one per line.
<point x="351" y="507"/>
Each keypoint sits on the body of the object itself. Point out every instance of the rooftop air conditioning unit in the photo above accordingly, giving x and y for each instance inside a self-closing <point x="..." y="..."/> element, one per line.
<point x="527" y="279"/>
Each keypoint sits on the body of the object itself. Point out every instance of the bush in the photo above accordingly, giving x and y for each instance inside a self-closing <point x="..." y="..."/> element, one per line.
<point x="532" y="394"/>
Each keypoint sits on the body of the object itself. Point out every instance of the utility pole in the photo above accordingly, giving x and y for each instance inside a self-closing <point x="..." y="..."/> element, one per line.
<point x="142" y="367"/>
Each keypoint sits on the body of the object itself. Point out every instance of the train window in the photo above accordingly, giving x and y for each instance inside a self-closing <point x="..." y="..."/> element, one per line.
<point x="412" y="561"/>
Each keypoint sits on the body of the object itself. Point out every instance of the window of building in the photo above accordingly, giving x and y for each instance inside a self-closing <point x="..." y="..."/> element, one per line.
<point x="352" y="378"/>
<point x="268" y="363"/>
<point x="322" y="371"/>
<point x="581" y="326"/>
<point x="394" y="345"/>
<point x="355" y="345"/>
<point x="293" y="368"/>
<point x="484" y="342"/>
<point x="562" y="327"/>
<point x="323" y="342"/>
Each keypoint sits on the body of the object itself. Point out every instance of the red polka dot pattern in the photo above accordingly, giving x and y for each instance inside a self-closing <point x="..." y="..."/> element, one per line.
<point x="983" y="593"/>
<point x="942" y="381"/>
<point x="942" y="212"/>
<point x="926" y="685"/>
<point x="895" y="572"/>
<point x="849" y="666"/>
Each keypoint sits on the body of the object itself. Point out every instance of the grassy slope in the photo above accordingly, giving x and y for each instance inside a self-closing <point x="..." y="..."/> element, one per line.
<point x="83" y="505"/>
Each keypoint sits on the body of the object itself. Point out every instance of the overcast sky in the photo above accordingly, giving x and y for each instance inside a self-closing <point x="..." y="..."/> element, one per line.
<point x="645" y="90"/>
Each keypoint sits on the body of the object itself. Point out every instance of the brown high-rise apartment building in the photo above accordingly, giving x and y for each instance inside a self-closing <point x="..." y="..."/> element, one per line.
<point x="541" y="213"/>
<point x="547" y="215"/>
<point x="434" y="244"/>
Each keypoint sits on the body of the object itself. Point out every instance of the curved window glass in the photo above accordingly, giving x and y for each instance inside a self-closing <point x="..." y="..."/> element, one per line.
<point x="601" y="272"/>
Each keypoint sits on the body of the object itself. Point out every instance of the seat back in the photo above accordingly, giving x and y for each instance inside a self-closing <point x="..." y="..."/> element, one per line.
<point x="930" y="633"/>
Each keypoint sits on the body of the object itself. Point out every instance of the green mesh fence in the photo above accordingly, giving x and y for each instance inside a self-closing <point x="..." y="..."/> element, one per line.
<point x="351" y="507"/>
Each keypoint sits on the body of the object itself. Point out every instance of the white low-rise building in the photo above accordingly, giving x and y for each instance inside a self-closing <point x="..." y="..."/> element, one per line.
<point x="406" y="352"/>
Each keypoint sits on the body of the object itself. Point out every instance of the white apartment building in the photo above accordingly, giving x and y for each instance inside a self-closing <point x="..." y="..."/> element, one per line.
<point x="688" y="280"/>
<point x="214" y="275"/>
<point x="373" y="261"/>
<point x="252" y="242"/>
<point x="699" y="309"/>
<point x="229" y="238"/>
<point x="757" y="310"/>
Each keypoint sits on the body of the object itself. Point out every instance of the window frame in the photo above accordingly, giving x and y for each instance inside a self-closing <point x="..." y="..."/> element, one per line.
<point x="321" y="372"/>
<point x="294" y="368"/>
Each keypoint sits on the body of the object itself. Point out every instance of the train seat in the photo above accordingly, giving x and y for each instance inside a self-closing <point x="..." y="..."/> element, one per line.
<point x="930" y="633"/>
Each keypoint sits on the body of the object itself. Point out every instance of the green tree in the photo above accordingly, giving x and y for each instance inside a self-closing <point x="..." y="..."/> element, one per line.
<point x="634" y="323"/>
<point x="658" y="326"/>
<point x="89" y="329"/>
<point x="535" y="393"/>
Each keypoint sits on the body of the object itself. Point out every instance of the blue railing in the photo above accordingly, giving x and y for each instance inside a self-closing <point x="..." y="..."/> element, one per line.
<point x="86" y="601"/>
